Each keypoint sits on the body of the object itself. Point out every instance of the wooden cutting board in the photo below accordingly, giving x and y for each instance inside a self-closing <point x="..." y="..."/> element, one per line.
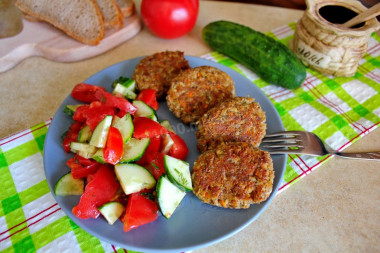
<point x="42" y="39"/>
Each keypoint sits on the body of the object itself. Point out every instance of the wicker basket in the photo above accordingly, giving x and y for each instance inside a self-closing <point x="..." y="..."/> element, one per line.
<point x="328" y="47"/>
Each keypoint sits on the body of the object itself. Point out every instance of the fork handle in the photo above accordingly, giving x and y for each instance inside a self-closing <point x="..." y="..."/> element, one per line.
<point x="364" y="155"/>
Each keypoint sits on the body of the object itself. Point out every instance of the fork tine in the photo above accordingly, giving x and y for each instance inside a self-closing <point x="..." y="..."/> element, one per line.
<point x="285" y="151"/>
<point x="282" y="149"/>
<point x="281" y="139"/>
<point x="285" y="133"/>
<point x="281" y="145"/>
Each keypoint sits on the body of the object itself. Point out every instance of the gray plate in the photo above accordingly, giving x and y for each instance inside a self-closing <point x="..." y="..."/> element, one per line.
<point x="194" y="224"/>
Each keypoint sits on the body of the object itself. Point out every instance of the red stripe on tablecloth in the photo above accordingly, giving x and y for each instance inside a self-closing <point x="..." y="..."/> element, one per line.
<point x="375" y="47"/>
<point x="331" y="104"/>
<point x="278" y="32"/>
<point x="29" y="219"/>
<point x="303" y="172"/>
<point x="304" y="163"/>
<point x="370" y="74"/>
<point x="299" y="166"/>
<point x="17" y="137"/>
<point x="31" y="224"/>
<point x="284" y="92"/>
<point x="281" y="94"/>
<point x="373" y="76"/>
<point x="299" y="175"/>
<point x="359" y="135"/>
<point x="114" y="249"/>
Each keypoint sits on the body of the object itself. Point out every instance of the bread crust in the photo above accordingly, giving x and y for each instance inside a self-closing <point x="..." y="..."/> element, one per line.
<point x="91" y="40"/>
<point x="120" y="16"/>
<point x="113" y="17"/>
<point x="127" y="7"/>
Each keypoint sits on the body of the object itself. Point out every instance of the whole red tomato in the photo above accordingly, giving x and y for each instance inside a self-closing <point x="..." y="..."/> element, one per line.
<point x="169" y="19"/>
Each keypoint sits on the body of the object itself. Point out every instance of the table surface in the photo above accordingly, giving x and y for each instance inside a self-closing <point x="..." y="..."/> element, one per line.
<point x="334" y="209"/>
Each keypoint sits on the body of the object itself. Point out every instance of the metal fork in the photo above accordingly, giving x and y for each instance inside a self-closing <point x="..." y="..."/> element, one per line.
<point x="301" y="142"/>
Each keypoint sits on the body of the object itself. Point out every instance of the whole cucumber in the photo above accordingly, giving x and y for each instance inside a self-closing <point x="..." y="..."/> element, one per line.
<point x="268" y="58"/>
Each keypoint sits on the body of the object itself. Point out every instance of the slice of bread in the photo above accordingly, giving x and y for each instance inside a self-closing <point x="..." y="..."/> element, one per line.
<point x="127" y="7"/>
<point x="80" y="19"/>
<point x="113" y="18"/>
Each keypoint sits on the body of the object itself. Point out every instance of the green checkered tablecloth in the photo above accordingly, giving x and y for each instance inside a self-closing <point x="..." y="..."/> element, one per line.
<point x="339" y="110"/>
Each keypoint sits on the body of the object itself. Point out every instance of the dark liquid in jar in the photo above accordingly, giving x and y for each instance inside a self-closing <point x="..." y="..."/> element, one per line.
<point x="338" y="14"/>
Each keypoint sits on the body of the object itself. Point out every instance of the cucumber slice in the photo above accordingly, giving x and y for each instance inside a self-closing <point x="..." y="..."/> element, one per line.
<point x="83" y="149"/>
<point x="70" y="109"/>
<point x="99" y="136"/>
<point x="112" y="211"/>
<point x="169" y="196"/>
<point x="178" y="172"/>
<point x="134" y="149"/>
<point x="84" y="134"/>
<point x="165" y="123"/>
<point x="67" y="185"/>
<point x="144" y="110"/>
<point x="126" y="92"/>
<point x="166" y="143"/>
<point x="125" y="126"/>
<point x="134" y="178"/>
<point x="98" y="156"/>
<point x="128" y="83"/>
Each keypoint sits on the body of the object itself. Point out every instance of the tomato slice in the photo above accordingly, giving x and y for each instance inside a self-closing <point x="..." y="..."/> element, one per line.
<point x="140" y="211"/>
<point x="82" y="167"/>
<point x="179" y="149"/>
<point x="155" y="164"/>
<point x="86" y="93"/>
<point x="148" y="96"/>
<point x="145" y="127"/>
<point x="85" y="161"/>
<point x="122" y="104"/>
<point x="81" y="113"/>
<point x="71" y="135"/>
<point x="90" y="177"/>
<point x="98" y="191"/>
<point x="96" y="113"/>
<point x="91" y="93"/>
<point x="114" y="146"/>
